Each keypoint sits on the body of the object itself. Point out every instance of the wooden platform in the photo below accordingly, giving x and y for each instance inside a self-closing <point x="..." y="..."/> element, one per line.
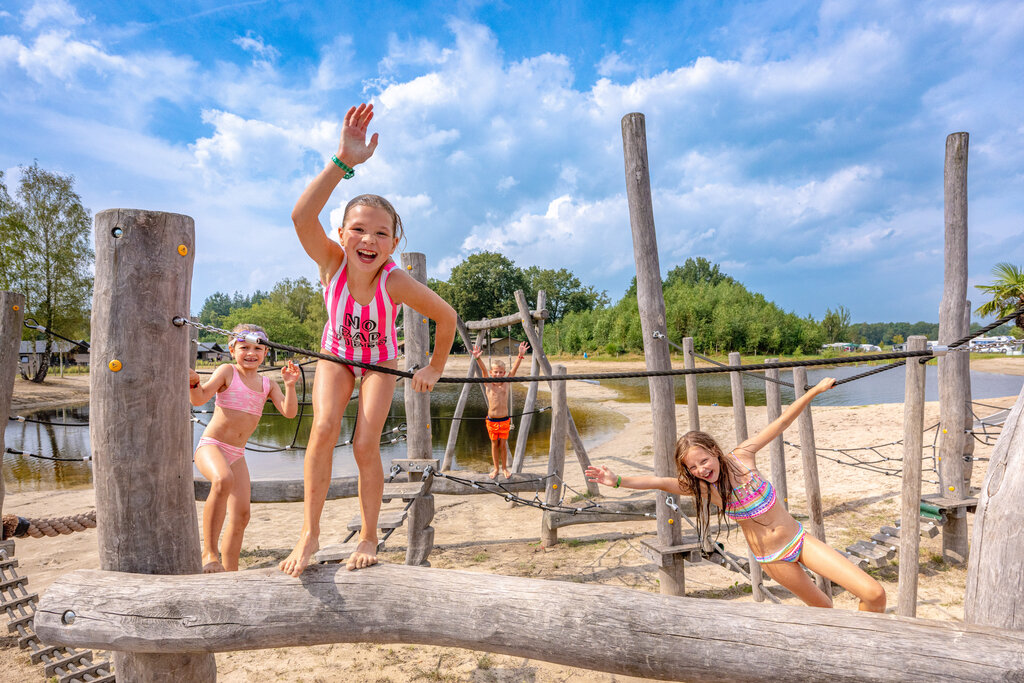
<point x="659" y="554"/>
<point x="338" y="552"/>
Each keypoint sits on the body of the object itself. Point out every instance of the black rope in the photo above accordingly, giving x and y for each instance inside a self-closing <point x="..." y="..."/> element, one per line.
<point x="43" y="328"/>
<point x="766" y="378"/>
<point x="14" y="451"/>
<point x="868" y="373"/>
<point x="19" y="418"/>
<point x="988" y="328"/>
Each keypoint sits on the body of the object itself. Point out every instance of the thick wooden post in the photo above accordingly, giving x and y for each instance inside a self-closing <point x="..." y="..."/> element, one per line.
<point x="530" y="404"/>
<point x="652" y="319"/>
<point x="910" y="503"/>
<point x="417" y="354"/>
<point x="809" y="455"/>
<point x="545" y="365"/>
<point x="954" y="368"/>
<point x="692" y="408"/>
<point x="776" y="449"/>
<point x="995" y="571"/>
<point x="12" y="314"/>
<point x="141" y="442"/>
<point x="556" y="452"/>
<point x="460" y="405"/>
<point x="739" y="418"/>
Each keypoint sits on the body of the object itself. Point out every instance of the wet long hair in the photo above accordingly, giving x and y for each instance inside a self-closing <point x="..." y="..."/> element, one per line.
<point x="700" y="488"/>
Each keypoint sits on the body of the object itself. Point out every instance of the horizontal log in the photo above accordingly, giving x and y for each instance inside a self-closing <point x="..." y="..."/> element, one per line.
<point x="611" y="511"/>
<point x="505" y="321"/>
<point x="605" y="628"/>
<point x="290" y="490"/>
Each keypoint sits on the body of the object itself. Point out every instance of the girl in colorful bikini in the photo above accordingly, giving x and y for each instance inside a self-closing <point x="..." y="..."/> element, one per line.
<point x="778" y="541"/>
<point x="362" y="292"/>
<point x="220" y="456"/>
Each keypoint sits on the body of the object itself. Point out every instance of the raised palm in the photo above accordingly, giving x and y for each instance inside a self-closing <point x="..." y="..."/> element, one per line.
<point x="353" y="148"/>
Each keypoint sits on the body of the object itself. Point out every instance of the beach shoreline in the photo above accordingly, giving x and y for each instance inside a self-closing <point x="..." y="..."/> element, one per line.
<point x="482" y="533"/>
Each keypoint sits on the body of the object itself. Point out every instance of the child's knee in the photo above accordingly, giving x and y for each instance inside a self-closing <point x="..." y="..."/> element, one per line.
<point x="240" y="516"/>
<point x="221" y="484"/>
<point x="873" y="597"/>
<point x="366" y="449"/>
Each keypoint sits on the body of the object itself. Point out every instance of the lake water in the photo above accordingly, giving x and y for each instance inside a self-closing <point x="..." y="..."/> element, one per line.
<point x="265" y="456"/>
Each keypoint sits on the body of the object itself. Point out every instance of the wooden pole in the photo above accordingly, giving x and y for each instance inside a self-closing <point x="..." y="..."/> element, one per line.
<point x="739" y="418"/>
<point x="910" y="503"/>
<point x="530" y="404"/>
<point x="545" y="366"/>
<point x="808" y="454"/>
<point x="460" y="405"/>
<point x="776" y="449"/>
<point x="556" y="452"/>
<point x="12" y="314"/>
<point x="954" y="368"/>
<point x="417" y="354"/>
<point x="995" y="571"/>
<point x="603" y="628"/>
<point x="692" y="407"/>
<point x="142" y="445"/>
<point x="652" y="319"/>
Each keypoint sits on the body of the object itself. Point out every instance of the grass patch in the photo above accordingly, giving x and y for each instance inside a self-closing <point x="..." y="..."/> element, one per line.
<point x="479" y="557"/>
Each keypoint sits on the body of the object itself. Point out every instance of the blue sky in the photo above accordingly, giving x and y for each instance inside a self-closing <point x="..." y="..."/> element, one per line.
<point x="798" y="144"/>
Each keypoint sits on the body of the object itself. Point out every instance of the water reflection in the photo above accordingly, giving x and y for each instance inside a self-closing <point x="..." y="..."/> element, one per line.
<point x="271" y="455"/>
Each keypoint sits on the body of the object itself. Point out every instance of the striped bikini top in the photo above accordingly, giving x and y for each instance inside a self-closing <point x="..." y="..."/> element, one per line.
<point x="355" y="332"/>
<point x="751" y="499"/>
<point x="240" y="397"/>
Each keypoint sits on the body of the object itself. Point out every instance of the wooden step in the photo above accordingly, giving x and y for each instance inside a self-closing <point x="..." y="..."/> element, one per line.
<point x="339" y="551"/>
<point x="80" y="674"/>
<point x="855" y="559"/>
<point x="46" y="651"/>
<point x="929" y="529"/>
<point x="416" y="464"/>
<point x="406" y="490"/>
<point x="388" y="519"/>
<point x="75" y="658"/>
<point x="886" y="540"/>
<point x="659" y="554"/>
<point x="25" y="621"/>
<point x="875" y="556"/>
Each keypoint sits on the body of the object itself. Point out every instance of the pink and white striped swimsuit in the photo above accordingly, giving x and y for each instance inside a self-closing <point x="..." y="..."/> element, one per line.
<point x="355" y="332"/>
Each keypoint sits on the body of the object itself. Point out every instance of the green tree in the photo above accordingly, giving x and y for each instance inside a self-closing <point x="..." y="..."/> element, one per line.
<point x="565" y="293"/>
<point x="696" y="272"/>
<point x="47" y="257"/>
<point x="281" y="325"/>
<point x="1007" y="292"/>
<point x="898" y="339"/>
<point x="836" y="324"/>
<point x="483" y="286"/>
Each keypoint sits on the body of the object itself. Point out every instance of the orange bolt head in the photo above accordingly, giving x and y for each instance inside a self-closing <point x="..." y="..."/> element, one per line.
<point x="671" y="521"/>
<point x="182" y="249"/>
<point x="554" y="486"/>
<point x="16" y="307"/>
<point x="409" y="267"/>
<point x="114" y="365"/>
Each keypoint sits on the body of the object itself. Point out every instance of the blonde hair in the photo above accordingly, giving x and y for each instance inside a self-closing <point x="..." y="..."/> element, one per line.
<point x="500" y="363"/>
<point x="377" y="202"/>
<point x="699" y="487"/>
<point x="241" y="329"/>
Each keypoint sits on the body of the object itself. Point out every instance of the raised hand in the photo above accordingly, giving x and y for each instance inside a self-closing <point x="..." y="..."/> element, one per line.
<point x="523" y="348"/>
<point x="193" y="378"/>
<point x="425" y="378"/>
<point x="476" y="352"/>
<point x="290" y="373"/>
<point x="602" y="475"/>
<point x="353" y="148"/>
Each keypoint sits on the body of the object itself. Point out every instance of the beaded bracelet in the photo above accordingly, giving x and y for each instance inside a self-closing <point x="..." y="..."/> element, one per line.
<point x="349" y="171"/>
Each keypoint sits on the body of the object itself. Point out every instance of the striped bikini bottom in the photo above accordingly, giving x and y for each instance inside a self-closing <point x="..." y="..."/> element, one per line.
<point x="791" y="551"/>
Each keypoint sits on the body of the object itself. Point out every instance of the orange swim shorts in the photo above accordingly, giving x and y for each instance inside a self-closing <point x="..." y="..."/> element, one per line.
<point x="498" y="428"/>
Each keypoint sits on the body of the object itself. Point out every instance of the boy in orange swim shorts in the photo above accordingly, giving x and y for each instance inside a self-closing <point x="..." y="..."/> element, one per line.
<point x="498" y="421"/>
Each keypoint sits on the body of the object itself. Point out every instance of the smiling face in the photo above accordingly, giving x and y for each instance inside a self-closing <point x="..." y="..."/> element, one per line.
<point x="248" y="355"/>
<point x="368" y="237"/>
<point x="702" y="464"/>
<point x="497" y="369"/>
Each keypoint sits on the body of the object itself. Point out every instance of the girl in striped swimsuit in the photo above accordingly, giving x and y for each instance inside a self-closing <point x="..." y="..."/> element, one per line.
<point x="777" y="540"/>
<point x="220" y="455"/>
<point x="362" y="292"/>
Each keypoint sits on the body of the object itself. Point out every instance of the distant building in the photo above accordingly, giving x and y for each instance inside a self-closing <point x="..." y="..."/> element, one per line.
<point x="30" y="354"/>
<point x="212" y="351"/>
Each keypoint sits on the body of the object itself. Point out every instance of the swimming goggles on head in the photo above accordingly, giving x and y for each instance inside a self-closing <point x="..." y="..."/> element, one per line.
<point x="253" y="338"/>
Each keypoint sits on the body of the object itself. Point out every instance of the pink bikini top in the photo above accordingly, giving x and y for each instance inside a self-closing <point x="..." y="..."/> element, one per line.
<point x="240" y="397"/>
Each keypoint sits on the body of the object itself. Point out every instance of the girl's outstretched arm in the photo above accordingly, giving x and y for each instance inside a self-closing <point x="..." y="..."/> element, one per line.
<point x="287" y="403"/>
<point x="352" y="150"/>
<point x="764" y="437"/>
<point x="199" y="393"/>
<point x="603" y="475"/>
<point x="404" y="289"/>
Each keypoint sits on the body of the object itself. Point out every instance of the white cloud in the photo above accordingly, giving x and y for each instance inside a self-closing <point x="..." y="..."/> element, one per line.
<point x="254" y="45"/>
<point x="50" y="11"/>
<point x="613" y="64"/>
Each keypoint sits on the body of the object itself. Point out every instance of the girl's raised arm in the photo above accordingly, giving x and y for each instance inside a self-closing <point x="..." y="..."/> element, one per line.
<point x="755" y="443"/>
<point x="352" y="150"/>
<point x="406" y="290"/>
<point x="603" y="475"/>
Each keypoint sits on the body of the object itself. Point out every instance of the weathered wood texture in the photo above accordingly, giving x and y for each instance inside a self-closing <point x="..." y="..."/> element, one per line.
<point x="603" y="628"/>
<point x="537" y="345"/>
<point x="809" y="457"/>
<point x="995" y="571"/>
<point x="460" y="405"/>
<point x="494" y="323"/>
<point x="530" y="404"/>
<point x="652" y="319"/>
<point x="910" y="502"/>
<point x="12" y="314"/>
<point x="613" y="511"/>
<point x="142" y="465"/>
<point x="416" y="328"/>
<point x="776" y="449"/>
<point x="556" y="452"/>
<point x="739" y="419"/>
<point x="690" y="381"/>
<point x="954" y="369"/>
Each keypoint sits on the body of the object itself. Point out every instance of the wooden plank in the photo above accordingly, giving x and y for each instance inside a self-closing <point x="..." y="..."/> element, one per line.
<point x="416" y="464"/>
<point x="406" y="490"/>
<point x="944" y="503"/>
<point x="336" y="552"/>
<point x="80" y="673"/>
<point x="886" y="540"/>
<point x="855" y="559"/>
<point x="62" y="662"/>
<point x="505" y="321"/>
<point x="604" y="628"/>
<point x="874" y="557"/>
<point x="659" y="554"/>
<point x="388" y="519"/>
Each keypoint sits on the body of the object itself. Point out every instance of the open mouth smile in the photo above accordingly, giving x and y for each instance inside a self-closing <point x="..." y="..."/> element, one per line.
<point x="366" y="256"/>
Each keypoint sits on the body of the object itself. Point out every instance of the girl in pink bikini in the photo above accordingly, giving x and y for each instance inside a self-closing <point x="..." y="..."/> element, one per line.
<point x="220" y="456"/>
<point x="362" y="292"/>
<point x="778" y="541"/>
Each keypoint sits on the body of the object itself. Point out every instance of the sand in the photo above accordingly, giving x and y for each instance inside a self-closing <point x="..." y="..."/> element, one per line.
<point x="483" y="534"/>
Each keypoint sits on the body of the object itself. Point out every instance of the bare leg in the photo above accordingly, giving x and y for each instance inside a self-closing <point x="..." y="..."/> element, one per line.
<point x="792" y="576"/>
<point x="212" y="464"/>
<point x="332" y="387"/>
<point x="822" y="559"/>
<point x="502" y="445"/>
<point x="495" y="458"/>
<point x="237" y="517"/>
<point x="375" y="394"/>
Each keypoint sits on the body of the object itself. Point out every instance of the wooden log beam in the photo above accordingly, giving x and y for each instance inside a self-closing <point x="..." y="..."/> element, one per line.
<point x="910" y="500"/>
<point x="604" y="628"/>
<point x="513" y="319"/>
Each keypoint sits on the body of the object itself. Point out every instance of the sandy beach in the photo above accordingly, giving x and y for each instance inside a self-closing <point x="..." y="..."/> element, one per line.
<point x="484" y="534"/>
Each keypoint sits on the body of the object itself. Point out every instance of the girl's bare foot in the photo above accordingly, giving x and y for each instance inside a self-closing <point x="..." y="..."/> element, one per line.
<point x="364" y="555"/>
<point x="211" y="564"/>
<point x="298" y="560"/>
<point x="505" y="472"/>
<point x="493" y="473"/>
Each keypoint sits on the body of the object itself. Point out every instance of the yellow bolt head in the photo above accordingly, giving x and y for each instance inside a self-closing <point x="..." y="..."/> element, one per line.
<point x="182" y="249"/>
<point x="952" y="488"/>
<point x="944" y="431"/>
<point x="16" y="307"/>
<point x="114" y="365"/>
<point x="671" y="521"/>
<point x="409" y="267"/>
<point x="424" y="321"/>
<point x="554" y="486"/>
